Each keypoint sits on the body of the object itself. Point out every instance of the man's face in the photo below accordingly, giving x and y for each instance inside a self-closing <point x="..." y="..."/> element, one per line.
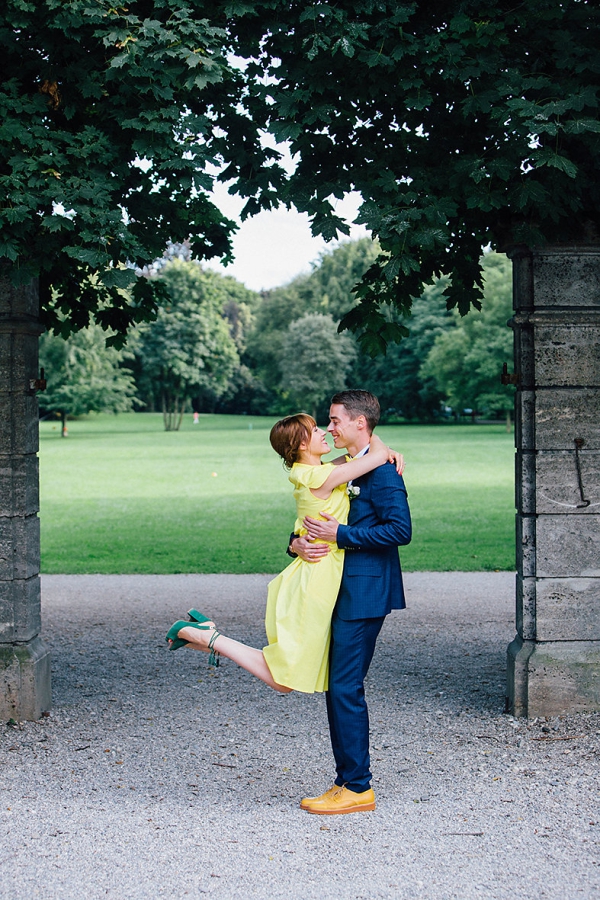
<point x="342" y="428"/>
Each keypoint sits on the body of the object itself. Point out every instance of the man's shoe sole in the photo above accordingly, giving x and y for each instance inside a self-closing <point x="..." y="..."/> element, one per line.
<point x="366" y="807"/>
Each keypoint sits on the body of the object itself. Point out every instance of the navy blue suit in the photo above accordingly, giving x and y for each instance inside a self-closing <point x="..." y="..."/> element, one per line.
<point x="378" y="523"/>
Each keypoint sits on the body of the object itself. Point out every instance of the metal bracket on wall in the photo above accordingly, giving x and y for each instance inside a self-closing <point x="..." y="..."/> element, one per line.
<point x="512" y="378"/>
<point x="38" y="384"/>
<point x="579" y="442"/>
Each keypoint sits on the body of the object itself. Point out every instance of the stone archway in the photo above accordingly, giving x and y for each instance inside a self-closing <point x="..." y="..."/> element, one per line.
<point x="554" y="661"/>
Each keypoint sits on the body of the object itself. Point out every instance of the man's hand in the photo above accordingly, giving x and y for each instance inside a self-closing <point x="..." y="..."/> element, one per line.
<point x="308" y="551"/>
<point x="321" y="531"/>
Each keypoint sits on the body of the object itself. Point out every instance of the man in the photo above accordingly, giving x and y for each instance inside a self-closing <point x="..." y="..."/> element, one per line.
<point x="378" y="523"/>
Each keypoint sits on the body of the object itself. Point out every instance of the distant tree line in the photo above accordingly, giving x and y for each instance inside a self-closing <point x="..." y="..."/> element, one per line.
<point x="216" y="346"/>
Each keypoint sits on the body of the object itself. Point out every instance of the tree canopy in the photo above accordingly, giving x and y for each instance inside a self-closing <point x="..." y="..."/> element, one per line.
<point x="326" y="290"/>
<point x="397" y="378"/>
<point x="113" y="122"/>
<point x="189" y="345"/>
<point x="407" y="389"/>
<point x="462" y="123"/>
<point x="465" y="361"/>
<point x="84" y="375"/>
<point x="314" y="361"/>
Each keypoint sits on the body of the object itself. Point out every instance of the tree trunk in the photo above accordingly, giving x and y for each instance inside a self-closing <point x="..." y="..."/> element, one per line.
<point x="165" y="411"/>
<point x="171" y="410"/>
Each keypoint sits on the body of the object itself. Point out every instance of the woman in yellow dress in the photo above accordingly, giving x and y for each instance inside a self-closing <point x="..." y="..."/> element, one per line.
<point x="300" y="599"/>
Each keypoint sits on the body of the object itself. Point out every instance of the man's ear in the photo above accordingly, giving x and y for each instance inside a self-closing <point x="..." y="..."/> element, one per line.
<point x="361" y="422"/>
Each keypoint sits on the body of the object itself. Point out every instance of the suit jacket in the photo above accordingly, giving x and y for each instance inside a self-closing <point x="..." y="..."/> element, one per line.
<point x="378" y="523"/>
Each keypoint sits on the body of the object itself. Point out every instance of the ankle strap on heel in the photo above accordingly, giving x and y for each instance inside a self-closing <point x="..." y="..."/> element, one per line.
<point x="213" y="659"/>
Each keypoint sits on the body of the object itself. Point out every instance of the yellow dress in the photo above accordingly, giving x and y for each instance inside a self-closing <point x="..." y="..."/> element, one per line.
<point x="300" y="600"/>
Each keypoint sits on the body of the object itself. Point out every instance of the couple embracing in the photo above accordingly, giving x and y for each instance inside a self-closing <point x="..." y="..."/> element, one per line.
<point x="326" y="609"/>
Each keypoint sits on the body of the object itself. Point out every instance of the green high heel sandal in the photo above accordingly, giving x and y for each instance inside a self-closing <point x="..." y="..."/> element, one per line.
<point x="195" y="616"/>
<point x="174" y="630"/>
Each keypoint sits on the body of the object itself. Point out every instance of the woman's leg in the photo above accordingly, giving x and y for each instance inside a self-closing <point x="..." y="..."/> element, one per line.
<point x="247" y="657"/>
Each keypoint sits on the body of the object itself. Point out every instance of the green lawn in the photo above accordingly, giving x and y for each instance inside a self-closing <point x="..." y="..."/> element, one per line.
<point x="120" y="495"/>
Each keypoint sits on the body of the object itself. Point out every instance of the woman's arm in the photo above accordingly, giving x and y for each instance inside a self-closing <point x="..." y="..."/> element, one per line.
<point x="378" y="454"/>
<point x="339" y="461"/>
<point x="394" y="457"/>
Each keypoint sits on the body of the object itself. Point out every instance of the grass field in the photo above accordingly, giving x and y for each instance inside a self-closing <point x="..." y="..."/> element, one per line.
<point x="120" y="495"/>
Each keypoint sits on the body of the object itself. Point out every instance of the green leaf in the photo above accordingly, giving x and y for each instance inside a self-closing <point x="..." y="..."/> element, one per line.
<point x="582" y="126"/>
<point x="546" y="157"/>
<point x="119" y="278"/>
<point x="344" y="46"/>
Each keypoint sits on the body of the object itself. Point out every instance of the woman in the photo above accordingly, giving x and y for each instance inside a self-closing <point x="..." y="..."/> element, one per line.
<point x="300" y="600"/>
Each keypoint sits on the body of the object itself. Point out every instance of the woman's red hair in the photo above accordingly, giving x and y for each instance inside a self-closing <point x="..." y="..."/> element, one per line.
<point x="287" y="435"/>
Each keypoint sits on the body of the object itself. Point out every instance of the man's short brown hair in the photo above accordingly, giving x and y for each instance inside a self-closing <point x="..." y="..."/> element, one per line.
<point x="360" y="403"/>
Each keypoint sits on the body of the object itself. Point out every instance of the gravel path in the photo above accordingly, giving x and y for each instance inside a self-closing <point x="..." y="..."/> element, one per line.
<point x="155" y="776"/>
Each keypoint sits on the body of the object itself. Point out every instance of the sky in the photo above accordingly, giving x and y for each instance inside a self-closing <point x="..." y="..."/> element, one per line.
<point x="275" y="246"/>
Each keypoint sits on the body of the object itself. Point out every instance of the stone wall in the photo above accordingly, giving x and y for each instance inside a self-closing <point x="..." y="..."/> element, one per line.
<point x="24" y="660"/>
<point x="554" y="662"/>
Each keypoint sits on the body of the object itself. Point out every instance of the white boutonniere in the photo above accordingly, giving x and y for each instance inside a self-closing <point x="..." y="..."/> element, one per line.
<point x="353" y="491"/>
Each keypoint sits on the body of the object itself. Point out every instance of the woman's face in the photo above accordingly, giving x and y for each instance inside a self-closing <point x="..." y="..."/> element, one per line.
<point x="318" y="445"/>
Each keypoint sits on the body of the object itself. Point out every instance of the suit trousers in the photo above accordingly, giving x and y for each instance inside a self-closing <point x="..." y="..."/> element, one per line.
<point x="352" y="647"/>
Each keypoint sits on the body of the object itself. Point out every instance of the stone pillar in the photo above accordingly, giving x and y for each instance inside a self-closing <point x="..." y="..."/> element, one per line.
<point x="24" y="660"/>
<point x="554" y="661"/>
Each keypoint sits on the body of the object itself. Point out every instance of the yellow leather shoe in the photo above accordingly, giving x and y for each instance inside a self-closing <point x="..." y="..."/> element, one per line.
<point x="339" y="801"/>
<point x="308" y="801"/>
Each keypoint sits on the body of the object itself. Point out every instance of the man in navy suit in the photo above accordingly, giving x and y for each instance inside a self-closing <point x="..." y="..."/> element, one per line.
<point x="378" y="523"/>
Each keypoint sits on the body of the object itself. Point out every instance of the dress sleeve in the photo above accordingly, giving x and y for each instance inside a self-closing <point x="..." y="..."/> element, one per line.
<point x="311" y="477"/>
